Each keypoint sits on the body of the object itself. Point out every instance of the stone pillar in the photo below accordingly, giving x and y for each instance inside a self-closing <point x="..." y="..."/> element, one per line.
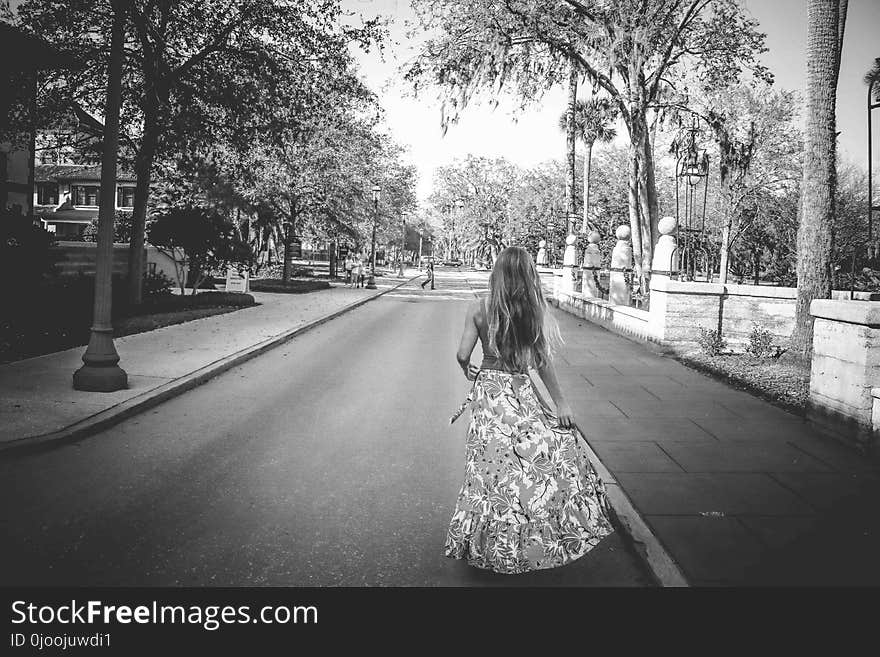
<point x="845" y="368"/>
<point x="665" y="260"/>
<point x="569" y="265"/>
<point x="619" y="291"/>
<point x="590" y="267"/>
<point x="541" y="260"/>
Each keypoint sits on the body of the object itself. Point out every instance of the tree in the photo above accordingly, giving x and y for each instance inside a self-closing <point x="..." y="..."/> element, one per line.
<point x="199" y="72"/>
<point x="826" y="20"/>
<point x="630" y="48"/>
<point x="208" y="240"/>
<point x="593" y="121"/>
<point x="570" y="143"/>
<point x="483" y="226"/>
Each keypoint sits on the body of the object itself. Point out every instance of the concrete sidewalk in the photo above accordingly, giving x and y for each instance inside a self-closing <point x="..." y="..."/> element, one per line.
<point x="738" y="491"/>
<point x="38" y="403"/>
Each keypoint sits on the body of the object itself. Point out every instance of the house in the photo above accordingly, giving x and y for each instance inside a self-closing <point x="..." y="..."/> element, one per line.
<point x="22" y="56"/>
<point x="66" y="196"/>
<point x="67" y="176"/>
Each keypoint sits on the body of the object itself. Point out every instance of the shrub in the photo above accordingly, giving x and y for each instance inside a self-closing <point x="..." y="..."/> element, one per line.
<point x="25" y="254"/>
<point x="760" y="343"/>
<point x="121" y="228"/>
<point x="208" y="239"/>
<point x="711" y="342"/>
<point x="157" y="283"/>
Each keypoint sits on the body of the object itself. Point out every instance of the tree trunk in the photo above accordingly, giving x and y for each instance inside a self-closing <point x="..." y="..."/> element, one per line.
<point x="142" y="166"/>
<point x="725" y="249"/>
<point x="814" y="236"/>
<point x="635" y="222"/>
<point x="588" y="161"/>
<point x="288" y="254"/>
<point x="647" y="196"/>
<point x="571" y="141"/>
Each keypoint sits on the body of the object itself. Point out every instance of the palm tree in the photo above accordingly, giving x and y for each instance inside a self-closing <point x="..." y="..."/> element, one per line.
<point x="594" y="120"/>
<point x="825" y="27"/>
<point x="872" y="79"/>
<point x="570" y="129"/>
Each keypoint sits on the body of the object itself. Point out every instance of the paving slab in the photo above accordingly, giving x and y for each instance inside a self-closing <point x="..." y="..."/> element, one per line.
<point x="712" y="494"/>
<point x="682" y="407"/>
<point x="634" y="456"/>
<point x="788" y="427"/>
<point x="710" y="550"/>
<point x="743" y="456"/>
<point x="644" y="429"/>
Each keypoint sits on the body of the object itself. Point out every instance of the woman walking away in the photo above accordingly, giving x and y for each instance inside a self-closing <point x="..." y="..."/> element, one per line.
<point x="531" y="499"/>
<point x="430" y="275"/>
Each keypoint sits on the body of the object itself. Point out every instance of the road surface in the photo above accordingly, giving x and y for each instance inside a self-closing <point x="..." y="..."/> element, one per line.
<point x="328" y="461"/>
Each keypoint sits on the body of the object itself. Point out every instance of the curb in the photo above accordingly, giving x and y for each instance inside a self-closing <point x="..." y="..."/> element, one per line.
<point x="131" y="407"/>
<point x="646" y="544"/>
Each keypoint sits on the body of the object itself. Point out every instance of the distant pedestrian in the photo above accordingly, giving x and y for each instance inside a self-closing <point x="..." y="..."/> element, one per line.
<point x="357" y="272"/>
<point x="531" y="499"/>
<point x="349" y="263"/>
<point x="430" y="275"/>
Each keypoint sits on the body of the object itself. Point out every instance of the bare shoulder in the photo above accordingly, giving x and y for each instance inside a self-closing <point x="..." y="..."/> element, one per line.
<point x="475" y="309"/>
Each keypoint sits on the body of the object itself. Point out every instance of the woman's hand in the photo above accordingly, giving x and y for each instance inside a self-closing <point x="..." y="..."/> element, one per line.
<point x="471" y="371"/>
<point x="565" y="416"/>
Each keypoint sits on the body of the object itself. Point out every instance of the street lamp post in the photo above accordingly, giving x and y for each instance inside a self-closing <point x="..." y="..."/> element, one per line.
<point x="371" y="280"/>
<point x="100" y="371"/>
<point x="459" y="203"/>
<point x="402" y="248"/>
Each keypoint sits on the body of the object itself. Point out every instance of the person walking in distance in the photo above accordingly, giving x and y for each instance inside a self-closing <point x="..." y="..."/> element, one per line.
<point x="531" y="498"/>
<point x="359" y="271"/>
<point x="430" y="275"/>
<point x="349" y="263"/>
<point x="356" y="267"/>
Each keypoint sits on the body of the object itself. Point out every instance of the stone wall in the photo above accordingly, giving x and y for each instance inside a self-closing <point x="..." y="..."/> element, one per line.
<point x="845" y="368"/>
<point x="75" y="258"/>
<point x="624" y="320"/>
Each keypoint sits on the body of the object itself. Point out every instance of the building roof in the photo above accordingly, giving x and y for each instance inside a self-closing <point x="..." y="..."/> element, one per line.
<point x="68" y="172"/>
<point x="22" y="51"/>
<point x="68" y="216"/>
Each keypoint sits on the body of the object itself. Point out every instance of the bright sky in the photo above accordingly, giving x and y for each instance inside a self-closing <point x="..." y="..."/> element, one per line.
<point x="534" y="137"/>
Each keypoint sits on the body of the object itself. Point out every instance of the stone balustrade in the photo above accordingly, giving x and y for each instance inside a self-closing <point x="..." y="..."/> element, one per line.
<point x="845" y="375"/>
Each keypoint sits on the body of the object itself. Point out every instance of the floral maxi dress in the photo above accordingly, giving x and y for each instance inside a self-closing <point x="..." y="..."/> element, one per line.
<point x="531" y="499"/>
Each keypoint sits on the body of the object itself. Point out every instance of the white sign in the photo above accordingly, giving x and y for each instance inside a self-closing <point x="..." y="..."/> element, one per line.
<point x="237" y="281"/>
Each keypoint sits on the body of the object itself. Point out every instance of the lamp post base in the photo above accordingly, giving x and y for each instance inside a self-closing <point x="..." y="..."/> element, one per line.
<point x="100" y="372"/>
<point x="93" y="378"/>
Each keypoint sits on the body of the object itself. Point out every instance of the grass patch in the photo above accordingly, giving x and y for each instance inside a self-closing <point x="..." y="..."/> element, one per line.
<point x="294" y="286"/>
<point x="783" y="383"/>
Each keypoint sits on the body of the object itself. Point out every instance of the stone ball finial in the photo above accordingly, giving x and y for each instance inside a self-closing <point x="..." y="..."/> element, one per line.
<point x="594" y="237"/>
<point x="667" y="225"/>
<point x="571" y="239"/>
<point x="542" y="244"/>
<point x="622" y="232"/>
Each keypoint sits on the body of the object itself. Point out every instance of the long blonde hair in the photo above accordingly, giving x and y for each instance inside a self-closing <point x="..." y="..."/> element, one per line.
<point x="521" y="332"/>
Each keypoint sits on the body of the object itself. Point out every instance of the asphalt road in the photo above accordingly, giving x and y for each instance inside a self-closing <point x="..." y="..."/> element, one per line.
<point x="326" y="462"/>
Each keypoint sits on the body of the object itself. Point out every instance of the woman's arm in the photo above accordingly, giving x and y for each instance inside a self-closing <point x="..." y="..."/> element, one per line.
<point x="468" y="342"/>
<point x="563" y="410"/>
